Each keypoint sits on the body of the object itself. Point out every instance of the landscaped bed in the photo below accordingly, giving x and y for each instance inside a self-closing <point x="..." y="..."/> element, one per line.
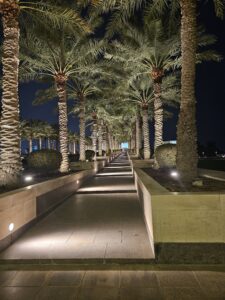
<point x="37" y="177"/>
<point x="163" y="177"/>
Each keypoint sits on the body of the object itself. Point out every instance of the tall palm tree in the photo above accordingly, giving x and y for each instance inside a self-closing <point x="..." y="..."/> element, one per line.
<point x="141" y="93"/>
<point x="48" y="134"/>
<point x="100" y="136"/>
<point x="73" y="139"/>
<point x="138" y="132"/>
<point x="32" y="129"/>
<point x="58" y="59"/>
<point x="149" y="50"/>
<point x="14" y="13"/>
<point x="187" y="157"/>
<point x="81" y="91"/>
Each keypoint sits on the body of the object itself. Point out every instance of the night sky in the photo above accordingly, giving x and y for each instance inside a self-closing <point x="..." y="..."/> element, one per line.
<point x="210" y="93"/>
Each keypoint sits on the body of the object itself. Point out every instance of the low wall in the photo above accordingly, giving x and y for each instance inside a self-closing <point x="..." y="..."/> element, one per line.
<point x="213" y="174"/>
<point x="23" y="207"/>
<point x="184" y="227"/>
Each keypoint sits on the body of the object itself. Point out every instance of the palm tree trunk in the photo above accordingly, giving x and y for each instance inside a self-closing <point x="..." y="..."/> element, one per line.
<point x="100" y="140"/>
<point x="187" y="157"/>
<point x="10" y="161"/>
<point x="94" y="139"/>
<point x="48" y="143"/>
<point x="141" y="133"/>
<point x="63" y="122"/>
<point x="30" y="145"/>
<point x="40" y="143"/>
<point x="138" y="134"/>
<point x="110" y="140"/>
<point x="104" y="138"/>
<point x="158" y="114"/>
<point x="82" y="128"/>
<point x="147" y="151"/>
<point x="107" y="144"/>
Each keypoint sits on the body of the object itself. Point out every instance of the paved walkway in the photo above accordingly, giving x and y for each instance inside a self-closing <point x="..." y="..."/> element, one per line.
<point x="103" y="220"/>
<point x="112" y="285"/>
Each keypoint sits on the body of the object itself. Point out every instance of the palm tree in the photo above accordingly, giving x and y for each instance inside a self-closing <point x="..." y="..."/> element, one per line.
<point x="100" y="137"/>
<point x="81" y="91"/>
<point x="138" y="132"/>
<point x="187" y="157"/>
<point x="48" y="134"/>
<point x="73" y="139"/>
<point x="141" y="93"/>
<point x="31" y="130"/>
<point x="15" y="12"/>
<point x="57" y="60"/>
<point x="149" y="50"/>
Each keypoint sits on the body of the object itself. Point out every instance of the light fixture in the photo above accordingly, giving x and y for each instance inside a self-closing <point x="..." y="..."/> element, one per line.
<point x="174" y="174"/>
<point x="78" y="181"/>
<point x="11" y="227"/>
<point x="28" y="178"/>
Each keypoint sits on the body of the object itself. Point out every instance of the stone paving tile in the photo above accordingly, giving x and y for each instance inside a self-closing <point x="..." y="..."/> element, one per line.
<point x="176" y="279"/>
<point x="94" y="279"/>
<point x="138" y="279"/>
<point x="105" y="225"/>
<point x="184" y="293"/>
<point x="99" y="294"/>
<point x="110" y="285"/>
<point x="6" y="277"/>
<point x="57" y="293"/>
<point x="212" y="283"/>
<point x="129" y="249"/>
<point x="108" y="236"/>
<point x="18" y="293"/>
<point x="140" y="294"/>
<point x="27" y="278"/>
<point x="65" y="278"/>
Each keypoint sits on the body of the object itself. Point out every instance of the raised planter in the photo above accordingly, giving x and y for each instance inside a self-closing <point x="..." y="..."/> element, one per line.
<point x="184" y="227"/>
<point x="213" y="174"/>
<point x="25" y="206"/>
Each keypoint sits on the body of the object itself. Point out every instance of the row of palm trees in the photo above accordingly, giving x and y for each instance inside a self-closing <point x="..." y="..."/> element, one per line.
<point x="59" y="48"/>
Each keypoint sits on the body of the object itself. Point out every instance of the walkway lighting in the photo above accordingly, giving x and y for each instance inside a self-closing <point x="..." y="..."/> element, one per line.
<point x="28" y="178"/>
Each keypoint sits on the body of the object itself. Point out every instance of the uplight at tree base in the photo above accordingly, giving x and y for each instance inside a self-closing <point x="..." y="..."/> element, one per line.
<point x="11" y="227"/>
<point x="174" y="174"/>
<point x="28" y="178"/>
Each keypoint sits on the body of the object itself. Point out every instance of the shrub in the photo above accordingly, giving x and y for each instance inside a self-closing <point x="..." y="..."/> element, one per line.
<point x="44" y="159"/>
<point x="165" y="155"/>
<point x="89" y="154"/>
<point x="74" y="157"/>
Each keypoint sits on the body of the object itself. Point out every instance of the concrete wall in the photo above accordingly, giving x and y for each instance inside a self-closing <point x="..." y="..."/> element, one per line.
<point x="181" y="217"/>
<point x="23" y="206"/>
<point x="216" y="175"/>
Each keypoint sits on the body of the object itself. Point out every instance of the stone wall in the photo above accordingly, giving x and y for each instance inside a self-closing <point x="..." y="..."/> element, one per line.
<point x="184" y="220"/>
<point x="25" y="206"/>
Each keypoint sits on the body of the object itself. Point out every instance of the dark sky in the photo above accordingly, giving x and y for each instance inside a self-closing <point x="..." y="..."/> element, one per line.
<point x="210" y="93"/>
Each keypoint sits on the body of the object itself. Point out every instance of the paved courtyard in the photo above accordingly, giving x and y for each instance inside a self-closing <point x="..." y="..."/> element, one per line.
<point x="112" y="285"/>
<point x="103" y="220"/>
